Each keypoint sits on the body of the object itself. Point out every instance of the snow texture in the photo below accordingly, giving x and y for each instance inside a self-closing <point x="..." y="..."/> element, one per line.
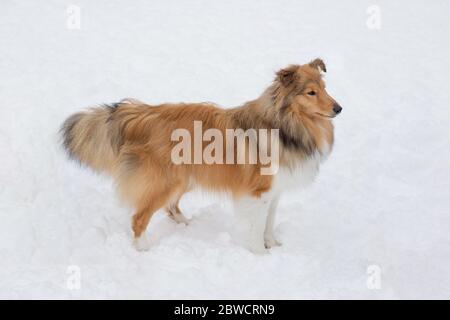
<point x="381" y="202"/>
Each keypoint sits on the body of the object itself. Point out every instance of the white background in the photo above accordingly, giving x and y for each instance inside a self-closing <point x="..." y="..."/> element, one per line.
<point x="381" y="199"/>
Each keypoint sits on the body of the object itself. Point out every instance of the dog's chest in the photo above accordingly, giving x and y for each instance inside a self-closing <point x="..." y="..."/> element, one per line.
<point x="302" y="174"/>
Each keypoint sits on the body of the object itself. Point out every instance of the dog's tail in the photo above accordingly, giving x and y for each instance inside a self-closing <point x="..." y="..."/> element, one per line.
<point x="93" y="137"/>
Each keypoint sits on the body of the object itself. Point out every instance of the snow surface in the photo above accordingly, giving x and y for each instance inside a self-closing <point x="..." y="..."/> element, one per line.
<point x="382" y="199"/>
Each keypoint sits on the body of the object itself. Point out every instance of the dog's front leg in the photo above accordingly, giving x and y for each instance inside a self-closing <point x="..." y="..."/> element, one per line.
<point x="269" y="238"/>
<point x="252" y="215"/>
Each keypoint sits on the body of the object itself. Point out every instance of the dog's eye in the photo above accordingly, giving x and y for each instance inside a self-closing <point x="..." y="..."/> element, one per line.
<point x="312" y="93"/>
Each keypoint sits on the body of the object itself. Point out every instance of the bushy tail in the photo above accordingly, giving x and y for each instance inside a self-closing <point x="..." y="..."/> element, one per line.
<point x="90" y="137"/>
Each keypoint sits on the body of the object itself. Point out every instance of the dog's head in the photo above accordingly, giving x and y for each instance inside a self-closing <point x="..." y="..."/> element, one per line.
<point x="301" y="89"/>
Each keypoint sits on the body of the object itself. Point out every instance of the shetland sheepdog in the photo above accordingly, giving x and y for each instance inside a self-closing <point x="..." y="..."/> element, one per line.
<point x="133" y="142"/>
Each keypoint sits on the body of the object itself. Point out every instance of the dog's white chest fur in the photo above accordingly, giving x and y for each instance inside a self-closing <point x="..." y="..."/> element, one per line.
<point x="302" y="174"/>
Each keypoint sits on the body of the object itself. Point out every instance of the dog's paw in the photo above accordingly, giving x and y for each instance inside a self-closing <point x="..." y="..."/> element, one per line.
<point x="179" y="218"/>
<point x="270" y="242"/>
<point x="259" y="250"/>
<point x="141" y="243"/>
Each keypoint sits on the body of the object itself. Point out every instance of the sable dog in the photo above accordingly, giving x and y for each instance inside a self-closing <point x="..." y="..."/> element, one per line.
<point x="133" y="142"/>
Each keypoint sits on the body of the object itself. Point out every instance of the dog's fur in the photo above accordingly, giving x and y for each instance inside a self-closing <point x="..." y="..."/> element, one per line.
<point x="131" y="141"/>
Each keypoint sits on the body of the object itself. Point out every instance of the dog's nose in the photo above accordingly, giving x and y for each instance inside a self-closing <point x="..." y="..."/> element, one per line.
<point x="337" y="109"/>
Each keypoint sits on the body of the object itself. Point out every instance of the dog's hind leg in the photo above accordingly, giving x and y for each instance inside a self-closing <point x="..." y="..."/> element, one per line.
<point x="145" y="210"/>
<point x="175" y="213"/>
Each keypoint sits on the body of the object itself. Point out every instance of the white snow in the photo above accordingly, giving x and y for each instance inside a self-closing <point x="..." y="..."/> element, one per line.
<point x="381" y="199"/>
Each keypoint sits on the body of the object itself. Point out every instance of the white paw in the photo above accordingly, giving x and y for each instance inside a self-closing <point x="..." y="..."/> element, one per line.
<point x="179" y="218"/>
<point x="257" y="247"/>
<point x="270" y="242"/>
<point x="142" y="243"/>
<point x="259" y="250"/>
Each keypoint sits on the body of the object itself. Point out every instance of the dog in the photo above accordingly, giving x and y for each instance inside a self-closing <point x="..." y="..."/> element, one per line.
<point x="133" y="142"/>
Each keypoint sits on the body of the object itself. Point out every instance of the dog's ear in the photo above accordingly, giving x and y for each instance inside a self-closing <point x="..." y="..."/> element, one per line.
<point x="318" y="64"/>
<point x="287" y="75"/>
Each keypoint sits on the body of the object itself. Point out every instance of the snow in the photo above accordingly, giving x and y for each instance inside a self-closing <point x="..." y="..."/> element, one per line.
<point x="381" y="199"/>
